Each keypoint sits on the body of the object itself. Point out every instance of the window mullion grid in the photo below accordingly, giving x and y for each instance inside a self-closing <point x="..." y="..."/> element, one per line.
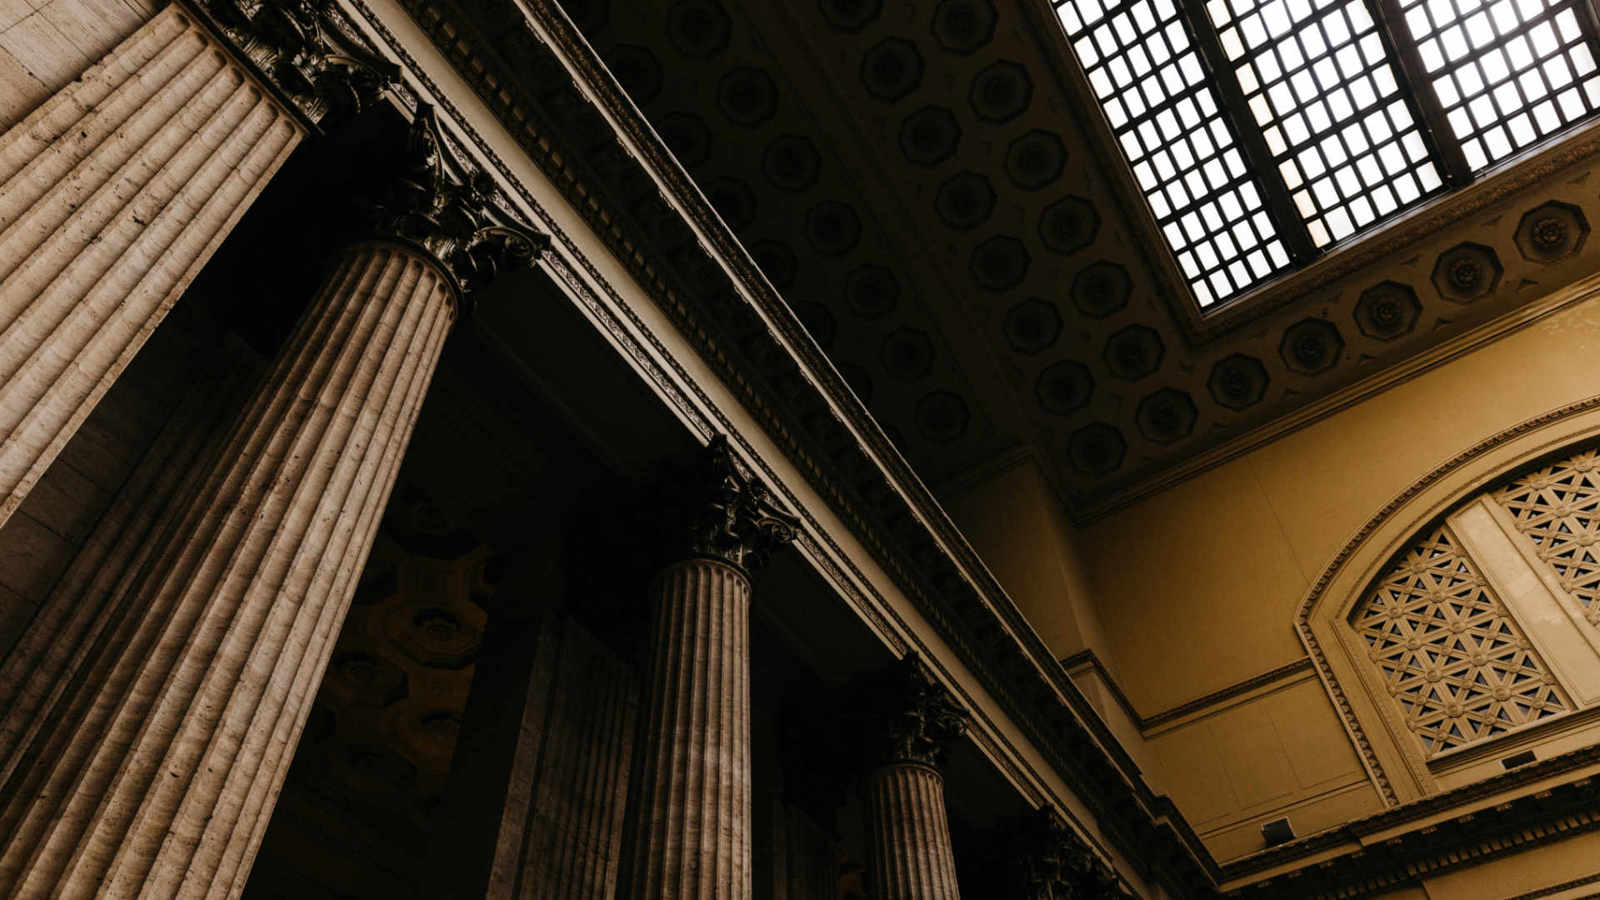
<point x="1417" y="88"/>
<point x="1589" y="21"/>
<point x="1280" y="206"/>
<point x="1589" y="15"/>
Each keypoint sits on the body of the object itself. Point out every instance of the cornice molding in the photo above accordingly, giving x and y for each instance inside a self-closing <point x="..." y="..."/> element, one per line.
<point x="1155" y="722"/>
<point x="1559" y="888"/>
<point x="1405" y="844"/>
<point x="1338" y="401"/>
<point x="784" y="381"/>
<point x="1224" y="695"/>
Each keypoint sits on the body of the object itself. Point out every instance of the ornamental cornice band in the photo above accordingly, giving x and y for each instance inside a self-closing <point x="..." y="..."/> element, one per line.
<point x="729" y="515"/>
<point x="306" y="51"/>
<point x="442" y="202"/>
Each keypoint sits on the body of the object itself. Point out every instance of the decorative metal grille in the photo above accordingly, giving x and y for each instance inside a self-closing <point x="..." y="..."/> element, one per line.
<point x="1508" y="73"/>
<point x="1455" y="662"/>
<point x="1149" y="78"/>
<point x="1558" y="508"/>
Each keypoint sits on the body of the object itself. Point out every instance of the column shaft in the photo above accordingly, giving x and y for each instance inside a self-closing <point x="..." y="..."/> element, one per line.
<point x="113" y="194"/>
<point x="912" y="858"/>
<point x="570" y="778"/>
<point x="693" y="827"/>
<point x="153" y="774"/>
<point x="805" y="857"/>
<point x="91" y="595"/>
<point x="539" y="779"/>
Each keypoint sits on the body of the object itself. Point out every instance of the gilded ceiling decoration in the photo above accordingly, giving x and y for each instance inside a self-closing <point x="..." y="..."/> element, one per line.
<point x="922" y="184"/>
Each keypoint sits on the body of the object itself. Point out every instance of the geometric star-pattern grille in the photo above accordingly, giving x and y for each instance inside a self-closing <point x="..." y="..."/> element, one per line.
<point x="1454" y="661"/>
<point x="1558" y="508"/>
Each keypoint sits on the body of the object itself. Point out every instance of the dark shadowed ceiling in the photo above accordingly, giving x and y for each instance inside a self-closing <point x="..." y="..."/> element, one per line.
<point x="920" y="181"/>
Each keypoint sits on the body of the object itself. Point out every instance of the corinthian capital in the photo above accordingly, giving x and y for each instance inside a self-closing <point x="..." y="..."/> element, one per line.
<point x="307" y="51"/>
<point x="916" y="718"/>
<point x="1057" y="863"/>
<point x="724" y="513"/>
<point x="443" y="203"/>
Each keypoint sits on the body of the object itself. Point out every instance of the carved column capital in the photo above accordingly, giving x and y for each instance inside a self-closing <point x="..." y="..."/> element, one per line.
<point x="724" y="513"/>
<point x="916" y="718"/>
<point x="442" y="202"/>
<point x="306" y="51"/>
<point x="1057" y="864"/>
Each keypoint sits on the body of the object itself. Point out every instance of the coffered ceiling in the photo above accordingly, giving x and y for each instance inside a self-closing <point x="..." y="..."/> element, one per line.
<point x="928" y="187"/>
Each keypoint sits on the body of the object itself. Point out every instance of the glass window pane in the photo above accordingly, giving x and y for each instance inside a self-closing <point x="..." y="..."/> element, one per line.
<point x="1512" y="58"/>
<point x="1203" y="196"/>
<point x="1335" y="96"/>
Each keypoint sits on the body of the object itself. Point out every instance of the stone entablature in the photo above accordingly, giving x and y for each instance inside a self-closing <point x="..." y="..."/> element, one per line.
<point x="561" y="104"/>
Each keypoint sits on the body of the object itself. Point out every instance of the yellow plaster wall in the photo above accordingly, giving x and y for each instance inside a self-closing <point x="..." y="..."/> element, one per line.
<point x="1194" y="590"/>
<point x="1196" y="587"/>
<point x="1013" y="520"/>
<point x="1241" y="764"/>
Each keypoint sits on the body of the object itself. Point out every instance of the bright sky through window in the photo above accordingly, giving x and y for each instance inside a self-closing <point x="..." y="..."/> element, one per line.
<point x="1263" y="132"/>
<point x="1320" y="86"/>
<point x="1151" y="81"/>
<point x="1507" y="74"/>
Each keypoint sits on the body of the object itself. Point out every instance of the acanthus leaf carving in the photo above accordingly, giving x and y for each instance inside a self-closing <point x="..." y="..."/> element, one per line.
<point x="443" y="203"/>
<point x="1057" y="864"/>
<point x="728" y="514"/>
<point x="917" y="719"/>
<point x="306" y="50"/>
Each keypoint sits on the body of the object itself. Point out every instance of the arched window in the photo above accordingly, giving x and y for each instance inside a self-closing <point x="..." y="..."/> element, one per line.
<point x="1459" y="633"/>
<point x="1484" y="625"/>
<point x="1454" y="658"/>
<point x="1558" y="508"/>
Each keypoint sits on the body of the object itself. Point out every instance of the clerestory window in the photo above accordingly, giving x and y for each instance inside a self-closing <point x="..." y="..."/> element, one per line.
<point x="1265" y="132"/>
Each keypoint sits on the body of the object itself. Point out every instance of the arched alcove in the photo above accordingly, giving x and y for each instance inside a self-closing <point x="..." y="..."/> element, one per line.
<point x="1456" y="632"/>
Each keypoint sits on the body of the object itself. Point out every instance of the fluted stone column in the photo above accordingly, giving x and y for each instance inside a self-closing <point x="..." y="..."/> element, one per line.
<point x="114" y="193"/>
<point x="539" y="779"/>
<point x="77" y="610"/>
<point x="912" y="858"/>
<point x="692" y="834"/>
<point x="805" y="857"/>
<point x="154" y="772"/>
<point x="577" y="785"/>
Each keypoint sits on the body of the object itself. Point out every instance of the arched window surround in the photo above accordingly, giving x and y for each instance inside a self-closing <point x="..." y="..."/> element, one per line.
<point x="1393" y="757"/>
